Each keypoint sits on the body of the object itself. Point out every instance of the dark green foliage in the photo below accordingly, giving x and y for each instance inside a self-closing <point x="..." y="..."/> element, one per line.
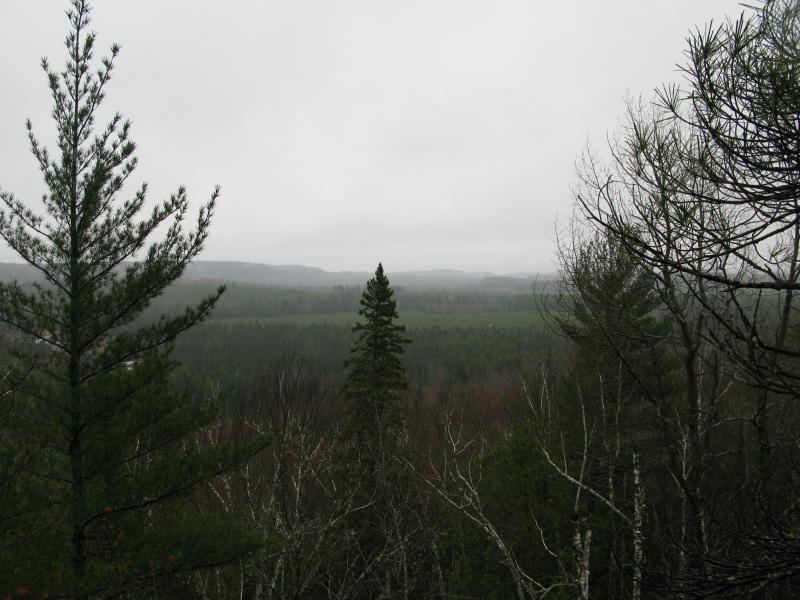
<point x="609" y="304"/>
<point x="376" y="377"/>
<point x="375" y="441"/>
<point x="611" y="308"/>
<point x="610" y="294"/>
<point x="517" y="486"/>
<point x="222" y="353"/>
<point x="108" y="452"/>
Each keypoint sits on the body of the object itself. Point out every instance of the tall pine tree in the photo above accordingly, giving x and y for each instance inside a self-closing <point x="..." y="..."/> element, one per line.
<point x="109" y="449"/>
<point x="374" y="387"/>
<point x="376" y="378"/>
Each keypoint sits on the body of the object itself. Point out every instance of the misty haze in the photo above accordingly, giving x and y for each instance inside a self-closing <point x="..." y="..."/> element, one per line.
<point x="443" y="299"/>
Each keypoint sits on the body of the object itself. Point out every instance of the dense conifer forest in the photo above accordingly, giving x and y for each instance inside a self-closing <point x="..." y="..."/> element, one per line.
<point x="627" y="428"/>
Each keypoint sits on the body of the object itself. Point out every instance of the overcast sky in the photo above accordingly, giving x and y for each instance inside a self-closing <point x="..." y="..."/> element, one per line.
<point x="423" y="133"/>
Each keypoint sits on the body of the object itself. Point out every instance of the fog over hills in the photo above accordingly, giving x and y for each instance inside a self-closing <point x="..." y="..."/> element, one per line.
<point x="304" y="276"/>
<point x="299" y="275"/>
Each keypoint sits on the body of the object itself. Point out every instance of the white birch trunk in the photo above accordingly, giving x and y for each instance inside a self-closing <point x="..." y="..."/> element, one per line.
<point x="638" y="538"/>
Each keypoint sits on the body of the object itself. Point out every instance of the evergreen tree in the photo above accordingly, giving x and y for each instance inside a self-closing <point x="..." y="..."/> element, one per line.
<point x="112" y="454"/>
<point x="608" y="305"/>
<point x="376" y="377"/>
<point x="374" y="386"/>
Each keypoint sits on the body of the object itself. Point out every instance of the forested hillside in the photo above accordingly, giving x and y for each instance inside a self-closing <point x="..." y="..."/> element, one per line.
<point x="627" y="428"/>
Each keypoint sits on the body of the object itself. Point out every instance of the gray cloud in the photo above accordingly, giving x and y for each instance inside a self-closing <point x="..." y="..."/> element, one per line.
<point x="435" y="133"/>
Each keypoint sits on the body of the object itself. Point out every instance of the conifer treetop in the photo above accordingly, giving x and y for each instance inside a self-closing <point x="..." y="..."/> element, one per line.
<point x="374" y="360"/>
<point x="101" y="266"/>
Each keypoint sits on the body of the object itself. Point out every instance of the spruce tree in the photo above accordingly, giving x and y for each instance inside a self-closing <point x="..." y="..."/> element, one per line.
<point x="376" y="378"/>
<point x="109" y="453"/>
<point x="374" y="387"/>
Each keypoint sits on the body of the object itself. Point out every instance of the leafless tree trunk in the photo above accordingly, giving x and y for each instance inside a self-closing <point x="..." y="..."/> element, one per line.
<point x="638" y="537"/>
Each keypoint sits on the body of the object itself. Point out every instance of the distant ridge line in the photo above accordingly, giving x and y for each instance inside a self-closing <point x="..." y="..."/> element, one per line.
<point x="301" y="275"/>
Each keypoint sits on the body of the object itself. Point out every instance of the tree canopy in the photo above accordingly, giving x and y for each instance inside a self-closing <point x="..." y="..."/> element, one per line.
<point x="376" y="376"/>
<point x="109" y="439"/>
